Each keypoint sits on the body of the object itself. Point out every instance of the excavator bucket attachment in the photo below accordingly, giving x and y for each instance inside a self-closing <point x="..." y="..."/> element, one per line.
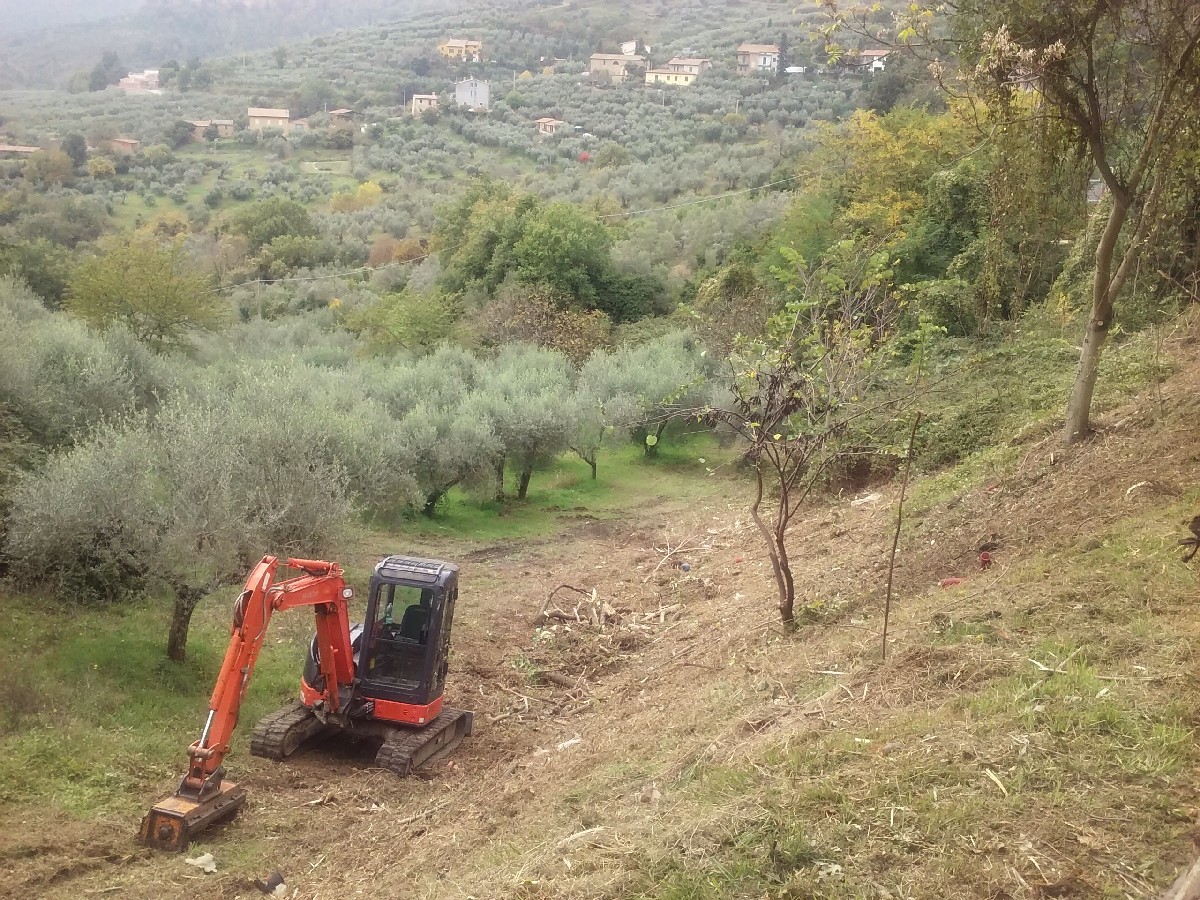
<point x="406" y="751"/>
<point x="173" y="822"/>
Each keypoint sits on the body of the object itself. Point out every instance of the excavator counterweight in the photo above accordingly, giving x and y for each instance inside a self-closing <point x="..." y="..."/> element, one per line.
<point x="383" y="678"/>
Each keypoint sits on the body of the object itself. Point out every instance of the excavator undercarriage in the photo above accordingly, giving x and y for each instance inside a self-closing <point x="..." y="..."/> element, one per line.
<point x="404" y="750"/>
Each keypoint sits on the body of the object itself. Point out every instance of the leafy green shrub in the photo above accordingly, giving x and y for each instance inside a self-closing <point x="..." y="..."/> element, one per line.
<point x="84" y="525"/>
<point x="950" y="304"/>
<point x="62" y="378"/>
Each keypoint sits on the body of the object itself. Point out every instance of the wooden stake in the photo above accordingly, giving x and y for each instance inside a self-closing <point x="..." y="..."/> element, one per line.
<point x="887" y="603"/>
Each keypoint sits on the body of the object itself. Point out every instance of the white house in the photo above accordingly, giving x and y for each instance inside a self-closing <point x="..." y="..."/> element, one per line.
<point x="473" y="94"/>
<point x="874" y="59"/>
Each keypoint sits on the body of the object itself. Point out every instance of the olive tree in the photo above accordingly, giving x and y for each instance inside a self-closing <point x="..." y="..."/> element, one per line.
<point x="85" y="525"/>
<point x="666" y="376"/>
<point x="447" y="449"/>
<point x="525" y="395"/>
<point x="188" y="501"/>
<point x="605" y="402"/>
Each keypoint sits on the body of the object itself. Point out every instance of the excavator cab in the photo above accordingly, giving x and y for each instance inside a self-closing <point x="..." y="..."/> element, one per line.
<point x="403" y="661"/>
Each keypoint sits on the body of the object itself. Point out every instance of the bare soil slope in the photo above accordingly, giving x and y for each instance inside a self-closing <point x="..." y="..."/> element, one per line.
<point x="1031" y="733"/>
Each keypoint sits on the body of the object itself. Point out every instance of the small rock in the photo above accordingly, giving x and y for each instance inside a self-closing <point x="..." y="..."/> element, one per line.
<point x="204" y="863"/>
<point x="272" y="885"/>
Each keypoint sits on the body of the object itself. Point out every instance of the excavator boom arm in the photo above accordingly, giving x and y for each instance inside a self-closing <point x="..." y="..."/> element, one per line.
<point x="321" y="586"/>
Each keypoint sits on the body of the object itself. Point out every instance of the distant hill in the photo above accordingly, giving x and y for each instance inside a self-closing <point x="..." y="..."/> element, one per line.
<point x="49" y="41"/>
<point x="20" y="16"/>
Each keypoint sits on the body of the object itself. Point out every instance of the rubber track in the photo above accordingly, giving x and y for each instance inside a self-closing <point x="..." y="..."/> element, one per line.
<point x="401" y="753"/>
<point x="271" y="735"/>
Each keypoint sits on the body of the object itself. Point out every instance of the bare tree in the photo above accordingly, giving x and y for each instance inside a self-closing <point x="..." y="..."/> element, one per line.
<point x="794" y="395"/>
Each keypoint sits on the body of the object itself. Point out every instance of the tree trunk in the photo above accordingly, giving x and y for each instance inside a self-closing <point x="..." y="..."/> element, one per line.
<point x="181" y="619"/>
<point x="1079" y="408"/>
<point x="589" y="458"/>
<point x="523" y="482"/>
<point x="787" y="595"/>
<point x="779" y="568"/>
<point x="500" y="497"/>
<point x="1078" y="422"/>
<point x="652" y="449"/>
<point x="431" y="502"/>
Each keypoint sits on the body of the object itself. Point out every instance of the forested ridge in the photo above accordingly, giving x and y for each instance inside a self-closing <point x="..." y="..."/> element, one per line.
<point x="781" y="289"/>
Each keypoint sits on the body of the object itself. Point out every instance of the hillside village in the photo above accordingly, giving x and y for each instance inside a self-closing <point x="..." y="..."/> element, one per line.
<point x="764" y="61"/>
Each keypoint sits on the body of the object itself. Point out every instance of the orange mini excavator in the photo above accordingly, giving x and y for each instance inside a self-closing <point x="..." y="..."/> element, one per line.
<point x="383" y="678"/>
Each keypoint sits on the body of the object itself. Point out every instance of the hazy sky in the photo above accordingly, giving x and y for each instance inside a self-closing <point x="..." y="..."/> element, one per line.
<point x="23" y="15"/>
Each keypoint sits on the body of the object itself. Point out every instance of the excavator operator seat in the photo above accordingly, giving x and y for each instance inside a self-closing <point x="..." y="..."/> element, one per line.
<point x="414" y="624"/>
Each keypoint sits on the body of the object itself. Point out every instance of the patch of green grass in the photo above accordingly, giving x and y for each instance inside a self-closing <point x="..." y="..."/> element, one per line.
<point x="769" y="853"/>
<point x="974" y="470"/>
<point x="564" y="493"/>
<point x="1102" y="732"/>
<point x="93" y="711"/>
<point x="989" y="397"/>
<point x="967" y="633"/>
<point x="324" y="166"/>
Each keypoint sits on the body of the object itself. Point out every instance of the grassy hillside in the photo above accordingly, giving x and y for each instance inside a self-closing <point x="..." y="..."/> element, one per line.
<point x="1030" y="734"/>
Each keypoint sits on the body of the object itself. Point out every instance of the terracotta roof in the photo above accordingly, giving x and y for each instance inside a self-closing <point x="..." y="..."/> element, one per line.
<point x="546" y="120"/>
<point x="621" y="56"/>
<point x="685" y="61"/>
<point x="263" y="112"/>
<point x="340" y="112"/>
<point x="758" y="48"/>
<point x="424" y="96"/>
<point x="875" y="54"/>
